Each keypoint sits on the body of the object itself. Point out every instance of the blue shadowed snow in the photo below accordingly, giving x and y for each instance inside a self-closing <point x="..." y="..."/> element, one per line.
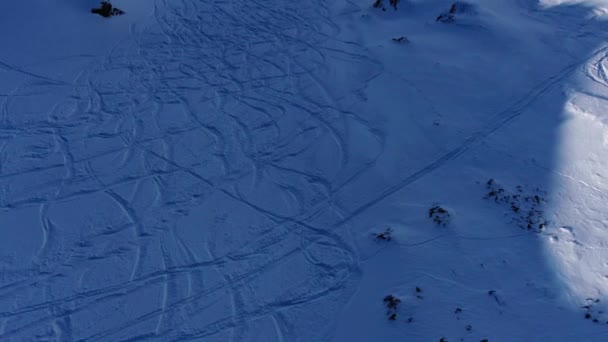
<point x="220" y="171"/>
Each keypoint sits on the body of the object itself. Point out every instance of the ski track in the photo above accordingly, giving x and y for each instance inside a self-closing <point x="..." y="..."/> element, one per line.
<point x="132" y="135"/>
<point x="196" y="112"/>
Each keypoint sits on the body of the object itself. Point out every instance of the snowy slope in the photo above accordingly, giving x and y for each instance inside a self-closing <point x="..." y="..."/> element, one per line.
<point x="221" y="171"/>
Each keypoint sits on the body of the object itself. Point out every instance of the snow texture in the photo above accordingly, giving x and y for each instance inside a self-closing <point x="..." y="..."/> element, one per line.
<point x="272" y="171"/>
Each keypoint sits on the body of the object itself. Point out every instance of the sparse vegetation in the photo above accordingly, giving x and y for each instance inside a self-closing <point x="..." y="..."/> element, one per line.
<point x="107" y="10"/>
<point x="439" y="215"/>
<point x="493" y="294"/>
<point x="525" y="205"/>
<point x="457" y="7"/>
<point x="592" y="312"/>
<point x="392" y="304"/>
<point x="418" y="292"/>
<point x="445" y="18"/>
<point x="386" y="235"/>
<point x="380" y="4"/>
<point x="401" y="40"/>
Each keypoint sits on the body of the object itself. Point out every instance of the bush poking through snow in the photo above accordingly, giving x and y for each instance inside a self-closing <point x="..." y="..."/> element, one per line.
<point x="401" y="40"/>
<point x="392" y="304"/>
<point x="493" y="294"/>
<point x="418" y="293"/>
<point x="461" y="7"/>
<point x="592" y="312"/>
<point x="456" y="8"/>
<point x="446" y="18"/>
<point x="525" y="205"/>
<point x="439" y="215"/>
<point x="380" y="4"/>
<point x="107" y="10"/>
<point x="385" y="236"/>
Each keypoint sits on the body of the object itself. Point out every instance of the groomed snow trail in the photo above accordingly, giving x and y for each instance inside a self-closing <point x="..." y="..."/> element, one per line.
<point x="174" y="188"/>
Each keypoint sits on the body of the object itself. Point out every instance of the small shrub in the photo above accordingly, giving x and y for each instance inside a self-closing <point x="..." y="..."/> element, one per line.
<point x="107" y="10"/>
<point x="385" y="236"/>
<point x="457" y="7"/>
<point x="418" y="293"/>
<point x="439" y="215"/>
<point x="460" y="7"/>
<point x="493" y="294"/>
<point x="392" y="304"/>
<point x="380" y="4"/>
<point x="401" y="40"/>
<point x="445" y="18"/>
<point x="592" y="313"/>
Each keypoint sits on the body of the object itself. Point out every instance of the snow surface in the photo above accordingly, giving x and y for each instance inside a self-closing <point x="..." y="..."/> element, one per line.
<point x="220" y="170"/>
